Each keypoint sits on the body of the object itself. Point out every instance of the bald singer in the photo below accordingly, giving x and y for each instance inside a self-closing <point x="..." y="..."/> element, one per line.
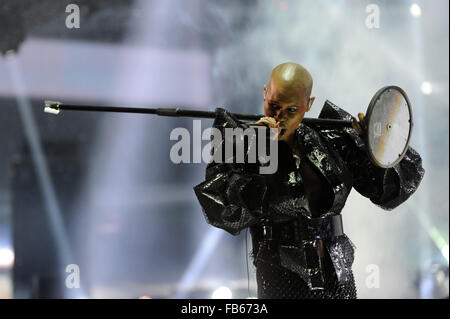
<point x="300" y="249"/>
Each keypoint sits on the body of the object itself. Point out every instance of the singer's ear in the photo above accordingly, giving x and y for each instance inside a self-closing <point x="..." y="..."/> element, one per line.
<point x="310" y="103"/>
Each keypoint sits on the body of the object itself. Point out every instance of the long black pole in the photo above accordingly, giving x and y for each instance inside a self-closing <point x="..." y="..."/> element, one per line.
<point x="54" y="107"/>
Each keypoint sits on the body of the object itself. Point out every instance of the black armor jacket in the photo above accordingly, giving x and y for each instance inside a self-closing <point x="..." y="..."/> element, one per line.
<point x="299" y="247"/>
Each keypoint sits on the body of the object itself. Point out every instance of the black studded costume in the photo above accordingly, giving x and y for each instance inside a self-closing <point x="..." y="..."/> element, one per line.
<point x="299" y="247"/>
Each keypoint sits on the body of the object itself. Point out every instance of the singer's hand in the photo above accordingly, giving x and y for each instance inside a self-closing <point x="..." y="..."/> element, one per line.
<point x="360" y="126"/>
<point x="271" y="123"/>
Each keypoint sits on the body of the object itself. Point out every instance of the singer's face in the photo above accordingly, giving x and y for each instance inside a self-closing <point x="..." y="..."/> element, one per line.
<point x="287" y="105"/>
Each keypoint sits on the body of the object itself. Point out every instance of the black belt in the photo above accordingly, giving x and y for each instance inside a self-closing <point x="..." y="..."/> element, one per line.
<point x="305" y="229"/>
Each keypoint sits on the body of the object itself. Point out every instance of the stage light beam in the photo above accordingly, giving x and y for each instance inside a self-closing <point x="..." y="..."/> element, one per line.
<point x="222" y="293"/>
<point x="426" y="88"/>
<point x="7" y="258"/>
<point x="444" y="251"/>
<point x="415" y="10"/>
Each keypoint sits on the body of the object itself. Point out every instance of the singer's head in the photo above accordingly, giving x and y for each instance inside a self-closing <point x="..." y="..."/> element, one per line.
<point x="287" y="97"/>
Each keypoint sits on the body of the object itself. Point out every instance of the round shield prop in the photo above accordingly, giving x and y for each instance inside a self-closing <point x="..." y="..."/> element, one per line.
<point x="389" y="123"/>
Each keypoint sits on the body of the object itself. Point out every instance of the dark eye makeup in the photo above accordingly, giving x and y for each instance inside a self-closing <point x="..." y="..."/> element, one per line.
<point x="275" y="107"/>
